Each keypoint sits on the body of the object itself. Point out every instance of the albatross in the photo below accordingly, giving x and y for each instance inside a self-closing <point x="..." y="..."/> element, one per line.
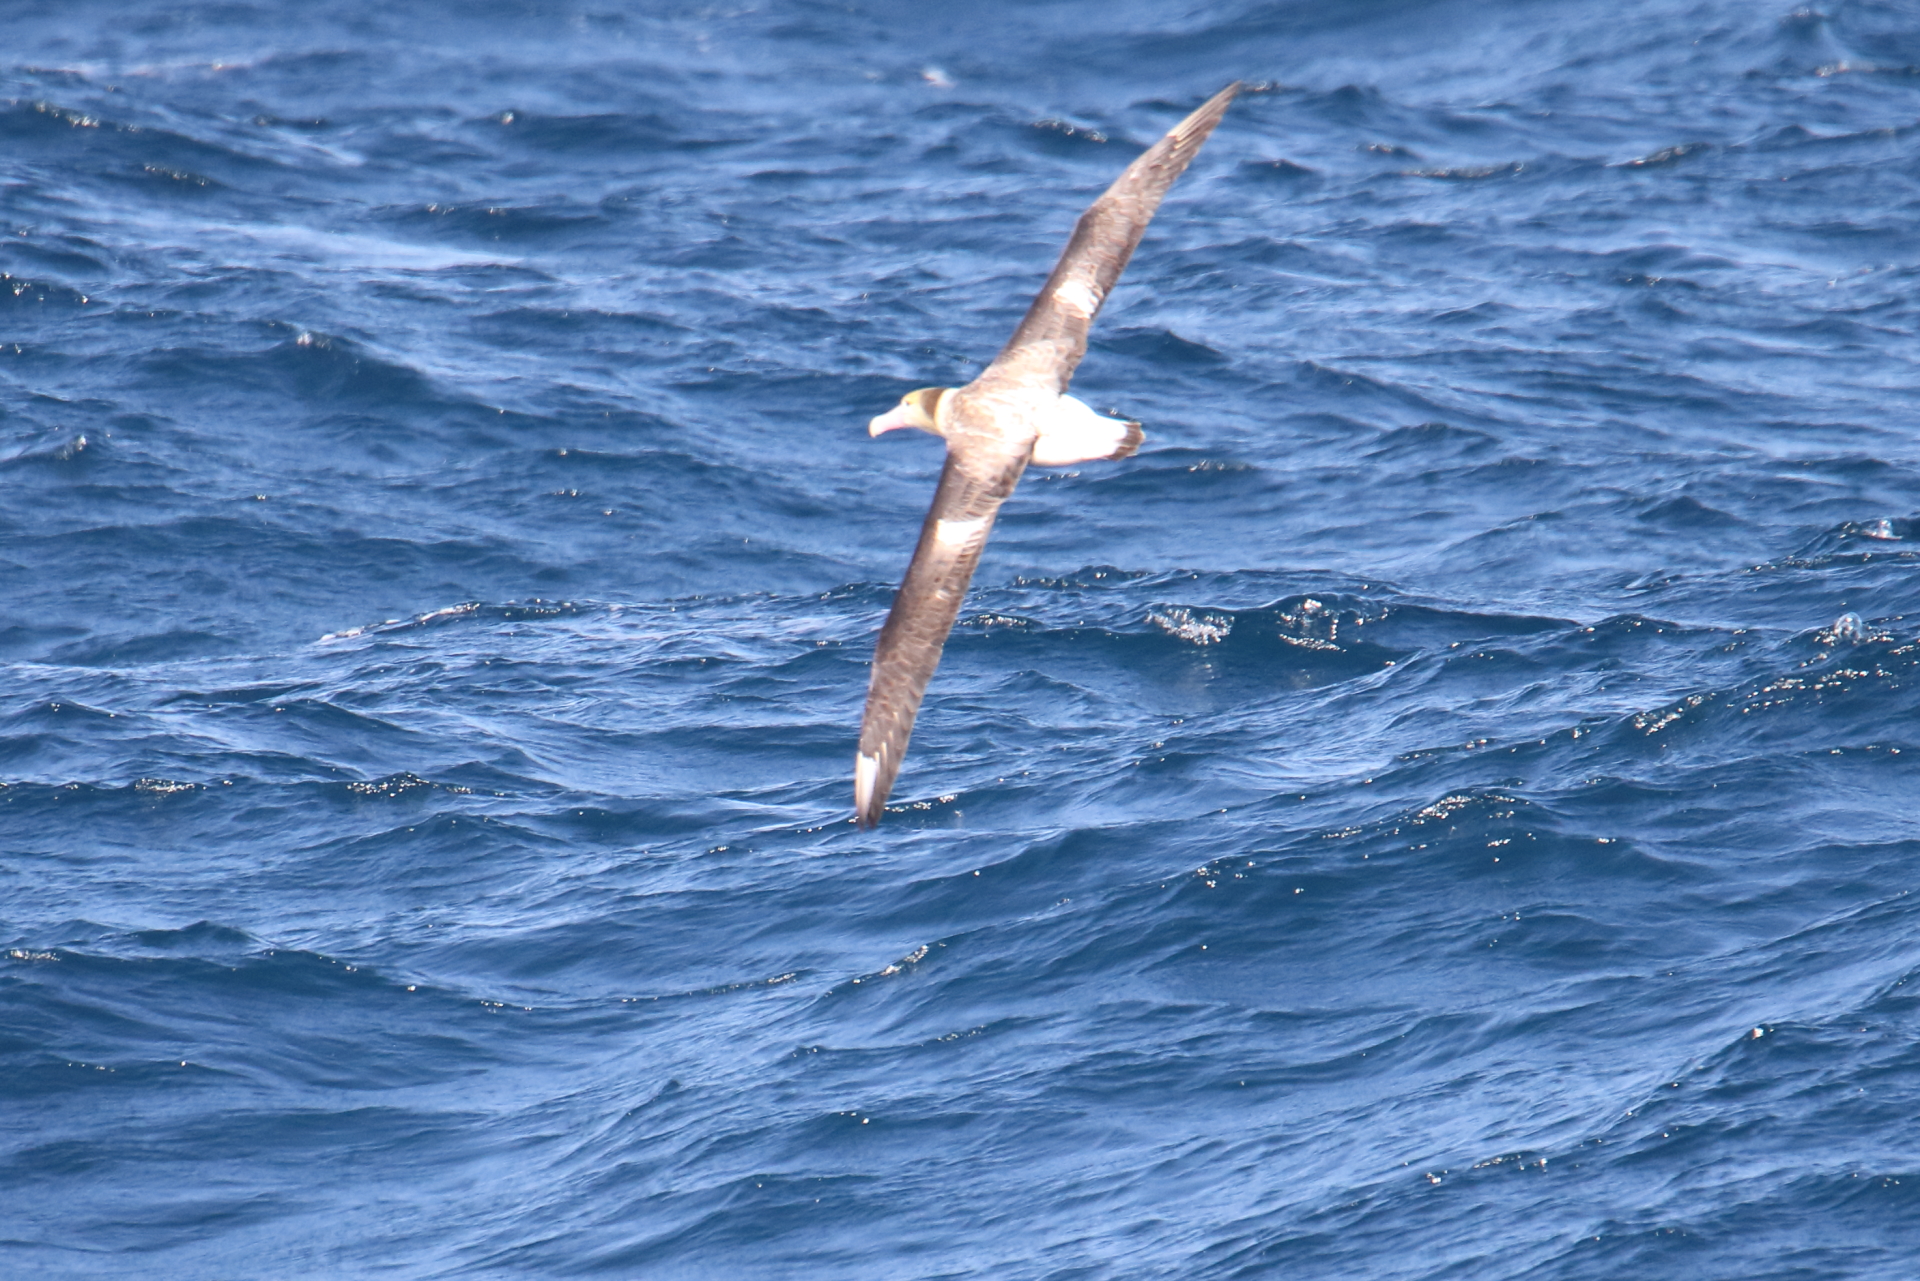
<point x="1015" y="413"/>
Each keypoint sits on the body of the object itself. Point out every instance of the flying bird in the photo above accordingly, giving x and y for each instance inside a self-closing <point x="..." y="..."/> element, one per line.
<point x="1016" y="412"/>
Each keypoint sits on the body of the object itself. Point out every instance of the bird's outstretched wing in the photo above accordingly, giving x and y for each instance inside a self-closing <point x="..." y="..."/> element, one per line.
<point x="923" y="612"/>
<point x="1048" y="345"/>
<point x="981" y="471"/>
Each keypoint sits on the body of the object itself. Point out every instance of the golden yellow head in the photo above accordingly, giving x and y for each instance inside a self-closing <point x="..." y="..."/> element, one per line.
<point x="916" y="409"/>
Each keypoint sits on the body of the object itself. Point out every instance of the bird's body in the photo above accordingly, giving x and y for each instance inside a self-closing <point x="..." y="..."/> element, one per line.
<point x="1015" y="413"/>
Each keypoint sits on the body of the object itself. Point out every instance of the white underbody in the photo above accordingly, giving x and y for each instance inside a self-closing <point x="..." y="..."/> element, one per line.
<point x="1068" y="430"/>
<point x="1075" y="433"/>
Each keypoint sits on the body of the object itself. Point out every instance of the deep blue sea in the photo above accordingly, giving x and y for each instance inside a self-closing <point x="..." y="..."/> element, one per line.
<point x="1448" y="808"/>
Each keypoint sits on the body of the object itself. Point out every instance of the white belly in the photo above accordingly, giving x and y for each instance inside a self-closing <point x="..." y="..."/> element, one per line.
<point x="1073" y="433"/>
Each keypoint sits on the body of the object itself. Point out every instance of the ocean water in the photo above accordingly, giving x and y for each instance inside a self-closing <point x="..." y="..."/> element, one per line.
<point x="1449" y="807"/>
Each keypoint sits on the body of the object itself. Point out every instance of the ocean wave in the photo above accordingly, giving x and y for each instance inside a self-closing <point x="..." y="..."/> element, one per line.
<point x="1464" y="760"/>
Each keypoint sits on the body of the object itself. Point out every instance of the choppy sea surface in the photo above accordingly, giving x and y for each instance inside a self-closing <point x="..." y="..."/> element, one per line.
<point x="1449" y="807"/>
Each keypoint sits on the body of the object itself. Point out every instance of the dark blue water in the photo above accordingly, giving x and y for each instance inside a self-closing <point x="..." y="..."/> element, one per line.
<point x="1449" y="808"/>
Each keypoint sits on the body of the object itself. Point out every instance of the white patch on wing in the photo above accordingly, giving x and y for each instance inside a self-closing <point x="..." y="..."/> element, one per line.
<point x="865" y="770"/>
<point x="1077" y="298"/>
<point x="957" y="533"/>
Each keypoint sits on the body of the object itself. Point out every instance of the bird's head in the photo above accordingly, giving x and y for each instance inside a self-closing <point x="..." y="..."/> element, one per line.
<point x="916" y="409"/>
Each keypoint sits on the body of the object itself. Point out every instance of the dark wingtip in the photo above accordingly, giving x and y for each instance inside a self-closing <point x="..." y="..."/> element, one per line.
<point x="869" y="788"/>
<point x="1130" y="445"/>
<point x="1208" y="113"/>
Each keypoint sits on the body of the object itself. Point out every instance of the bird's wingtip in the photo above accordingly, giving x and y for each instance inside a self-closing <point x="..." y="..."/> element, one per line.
<point x="1225" y="96"/>
<point x="1200" y="122"/>
<point x="867" y="807"/>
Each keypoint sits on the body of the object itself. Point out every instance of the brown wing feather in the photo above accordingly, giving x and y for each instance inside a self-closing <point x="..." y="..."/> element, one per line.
<point x="1050" y="341"/>
<point x="916" y="631"/>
